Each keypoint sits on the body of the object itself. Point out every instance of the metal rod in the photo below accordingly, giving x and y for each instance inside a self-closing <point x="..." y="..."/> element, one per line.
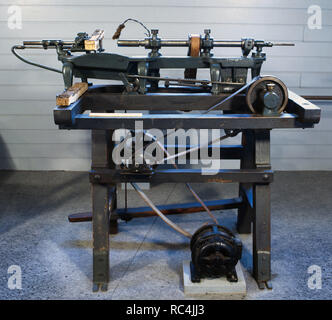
<point x="284" y="44"/>
<point x="227" y="43"/>
<point x="174" y="43"/>
<point x="143" y="43"/>
<point x="51" y="43"/>
<point x="186" y="43"/>
<point x="203" y="82"/>
<point x="131" y="43"/>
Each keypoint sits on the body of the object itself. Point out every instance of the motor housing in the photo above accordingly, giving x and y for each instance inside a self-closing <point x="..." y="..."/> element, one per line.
<point x="215" y="251"/>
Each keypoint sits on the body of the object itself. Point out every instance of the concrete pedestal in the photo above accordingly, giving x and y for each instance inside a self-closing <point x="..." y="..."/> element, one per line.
<point x="220" y="286"/>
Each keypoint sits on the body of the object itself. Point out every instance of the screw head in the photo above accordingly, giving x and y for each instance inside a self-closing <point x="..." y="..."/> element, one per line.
<point x="270" y="86"/>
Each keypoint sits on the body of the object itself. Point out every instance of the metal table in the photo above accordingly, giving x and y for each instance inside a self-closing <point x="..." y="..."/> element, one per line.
<point x="254" y="176"/>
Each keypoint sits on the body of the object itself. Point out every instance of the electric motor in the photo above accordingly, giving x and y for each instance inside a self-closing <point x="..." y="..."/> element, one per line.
<point x="215" y="251"/>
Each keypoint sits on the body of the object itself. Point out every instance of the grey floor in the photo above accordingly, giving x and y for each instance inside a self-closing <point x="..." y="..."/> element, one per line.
<point x="146" y="256"/>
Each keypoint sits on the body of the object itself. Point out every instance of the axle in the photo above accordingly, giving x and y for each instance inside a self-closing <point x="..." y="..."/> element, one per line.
<point x="206" y="43"/>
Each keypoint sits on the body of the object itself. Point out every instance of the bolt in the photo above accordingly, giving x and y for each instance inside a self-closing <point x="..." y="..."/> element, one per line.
<point x="265" y="177"/>
<point x="154" y="31"/>
<point x="270" y="87"/>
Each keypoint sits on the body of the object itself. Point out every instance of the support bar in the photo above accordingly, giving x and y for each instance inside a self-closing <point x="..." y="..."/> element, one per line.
<point x="182" y="175"/>
<point x="169" y="209"/>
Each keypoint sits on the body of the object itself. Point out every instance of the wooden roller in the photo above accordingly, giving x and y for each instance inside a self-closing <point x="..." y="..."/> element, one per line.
<point x="194" y="51"/>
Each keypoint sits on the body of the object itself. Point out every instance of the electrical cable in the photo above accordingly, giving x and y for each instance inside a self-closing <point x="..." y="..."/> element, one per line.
<point x="30" y="62"/>
<point x="121" y="26"/>
<point x="158" y="212"/>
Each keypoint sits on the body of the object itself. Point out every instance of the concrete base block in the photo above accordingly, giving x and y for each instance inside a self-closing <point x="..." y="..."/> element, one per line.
<point x="220" y="286"/>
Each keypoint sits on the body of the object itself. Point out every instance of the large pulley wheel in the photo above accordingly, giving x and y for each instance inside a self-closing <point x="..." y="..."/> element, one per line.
<point x="268" y="95"/>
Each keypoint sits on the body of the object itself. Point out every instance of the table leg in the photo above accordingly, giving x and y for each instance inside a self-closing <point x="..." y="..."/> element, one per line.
<point x="100" y="222"/>
<point x="245" y="212"/>
<point x="262" y="214"/>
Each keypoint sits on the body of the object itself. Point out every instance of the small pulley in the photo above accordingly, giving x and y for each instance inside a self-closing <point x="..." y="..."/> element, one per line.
<point x="215" y="251"/>
<point x="267" y="96"/>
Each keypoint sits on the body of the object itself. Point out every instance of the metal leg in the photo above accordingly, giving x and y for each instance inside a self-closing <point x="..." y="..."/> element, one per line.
<point x="100" y="222"/>
<point x="262" y="214"/>
<point x="261" y="234"/>
<point x="100" y="212"/>
<point x="245" y="212"/>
